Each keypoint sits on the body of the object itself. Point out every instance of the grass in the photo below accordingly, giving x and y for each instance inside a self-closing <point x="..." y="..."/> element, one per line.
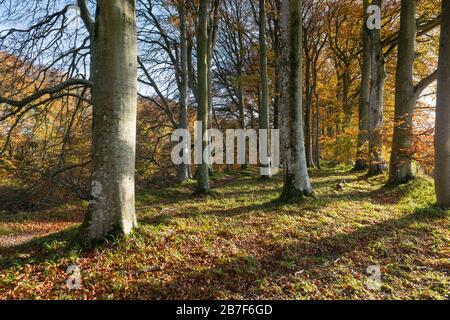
<point x="241" y="244"/>
<point x="5" y="231"/>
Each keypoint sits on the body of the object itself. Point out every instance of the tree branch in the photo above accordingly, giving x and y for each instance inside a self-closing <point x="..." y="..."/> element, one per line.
<point x="47" y="91"/>
<point x="424" y="83"/>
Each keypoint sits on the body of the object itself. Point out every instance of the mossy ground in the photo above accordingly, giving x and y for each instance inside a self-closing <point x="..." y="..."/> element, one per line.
<point x="239" y="243"/>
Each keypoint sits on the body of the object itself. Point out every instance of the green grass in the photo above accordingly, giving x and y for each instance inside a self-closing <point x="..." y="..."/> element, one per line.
<point x="241" y="244"/>
<point x="5" y="231"/>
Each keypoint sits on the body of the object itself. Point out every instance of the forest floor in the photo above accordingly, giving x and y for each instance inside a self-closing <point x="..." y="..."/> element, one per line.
<point x="240" y="243"/>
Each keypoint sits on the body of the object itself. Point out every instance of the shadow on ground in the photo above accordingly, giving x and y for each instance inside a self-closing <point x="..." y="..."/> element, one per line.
<point x="244" y="276"/>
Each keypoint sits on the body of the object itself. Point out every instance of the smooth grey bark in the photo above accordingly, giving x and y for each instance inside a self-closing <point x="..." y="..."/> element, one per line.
<point x="375" y="120"/>
<point x="317" y="150"/>
<point x="313" y="46"/>
<point x="313" y="43"/>
<point x="284" y="70"/>
<point x="183" y="169"/>
<point x="192" y="77"/>
<point x="308" y="106"/>
<point x="264" y="96"/>
<point x="112" y="205"/>
<point x="406" y="95"/>
<point x="346" y="97"/>
<point x="212" y="36"/>
<point x="400" y="165"/>
<point x="88" y="21"/>
<point x="442" y="143"/>
<point x="240" y="87"/>
<point x="203" y="95"/>
<point x="89" y="24"/>
<point x="297" y="183"/>
<point x="211" y="42"/>
<point x="277" y="49"/>
<point x="364" y="96"/>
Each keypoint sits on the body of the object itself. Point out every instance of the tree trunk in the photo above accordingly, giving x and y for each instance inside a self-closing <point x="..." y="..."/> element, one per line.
<point x="276" y="103"/>
<point x="296" y="183"/>
<point x="406" y="95"/>
<point x="346" y="97"/>
<point x="309" y="112"/>
<point x="442" y="170"/>
<point x="240" y="90"/>
<point x="183" y="169"/>
<point x="203" y="96"/>
<point x="241" y="107"/>
<point x="364" y="95"/>
<point x="400" y="165"/>
<point x="378" y="77"/>
<point x="318" y="130"/>
<point x="376" y="161"/>
<point x="212" y="35"/>
<point x="112" y="205"/>
<point x="264" y="97"/>
<point x="278" y="70"/>
<point x="210" y="107"/>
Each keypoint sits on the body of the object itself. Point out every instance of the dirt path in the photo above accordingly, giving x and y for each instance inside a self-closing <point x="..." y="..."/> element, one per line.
<point x="25" y="227"/>
<point x="15" y="240"/>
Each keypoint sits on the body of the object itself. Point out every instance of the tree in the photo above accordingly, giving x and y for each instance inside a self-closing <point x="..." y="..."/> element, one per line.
<point x="314" y="40"/>
<point x="406" y="95"/>
<point x="213" y="19"/>
<point x="364" y="95"/>
<point x="162" y="53"/>
<point x="183" y="169"/>
<point x="297" y="183"/>
<point x="378" y="51"/>
<point x="275" y="21"/>
<point x="112" y="205"/>
<point x="377" y="80"/>
<point x="442" y="170"/>
<point x="264" y="97"/>
<point x="34" y="89"/>
<point x="203" y="95"/>
<point x="344" y="45"/>
<point x="231" y="56"/>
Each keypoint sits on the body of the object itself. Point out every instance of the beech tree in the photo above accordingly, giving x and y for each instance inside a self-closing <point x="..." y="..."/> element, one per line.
<point x="47" y="70"/>
<point x="264" y="96"/>
<point x="344" y="46"/>
<point x="406" y="95"/>
<point x="364" y="95"/>
<point x="442" y="143"/>
<point x="377" y="80"/>
<point x="376" y="52"/>
<point x="314" y="41"/>
<point x="203" y="95"/>
<point x="112" y="204"/>
<point x="231" y="56"/>
<point x="184" y="169"/>
<point x="296" y="183"/>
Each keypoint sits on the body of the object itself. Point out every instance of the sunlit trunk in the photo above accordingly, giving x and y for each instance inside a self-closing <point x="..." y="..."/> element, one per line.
<point x="405" y="101"/>
<point x="364" y="95"/>
<point x="297" y="183"/>
<point x="112" y="204"/>
<point x="375" y="119"/>
<point x="203" y="96"/>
